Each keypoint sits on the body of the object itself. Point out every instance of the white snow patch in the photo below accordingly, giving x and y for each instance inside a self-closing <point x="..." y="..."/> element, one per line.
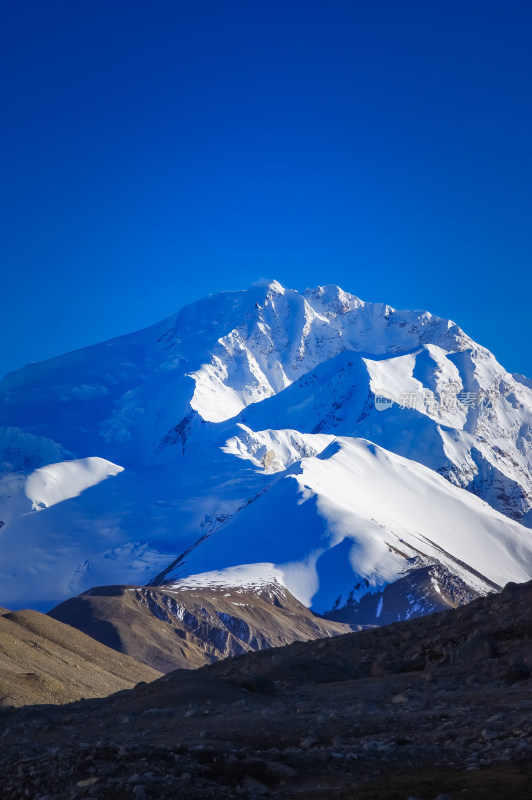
<point x="55" y="483"/>
<point x="379" y="607"/>
<point x="244" y="576"/>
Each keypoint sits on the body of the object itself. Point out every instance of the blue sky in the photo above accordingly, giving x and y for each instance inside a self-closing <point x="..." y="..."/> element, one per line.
<point x="154" y="152"/>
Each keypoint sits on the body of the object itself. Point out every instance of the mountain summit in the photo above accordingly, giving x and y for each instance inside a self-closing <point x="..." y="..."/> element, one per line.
<point x="375" y="462"/>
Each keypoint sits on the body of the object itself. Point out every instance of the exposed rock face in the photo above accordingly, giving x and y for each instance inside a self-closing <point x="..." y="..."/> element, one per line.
<point x="428" y="708"/>
<point x="423" y="591"/>
<point x="44" y="661"/>
<point x="169" y="627"/>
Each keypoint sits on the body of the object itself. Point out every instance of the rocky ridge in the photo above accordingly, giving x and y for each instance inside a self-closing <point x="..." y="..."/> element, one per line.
<point x="171" y="627"/>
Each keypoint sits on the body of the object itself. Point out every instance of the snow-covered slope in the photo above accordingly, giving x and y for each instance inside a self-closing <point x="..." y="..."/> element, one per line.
<point x="476" y="431"/>
<point x="42" y="488"/>
<point x="226" y="420"/>
<point x="358" y="515"/>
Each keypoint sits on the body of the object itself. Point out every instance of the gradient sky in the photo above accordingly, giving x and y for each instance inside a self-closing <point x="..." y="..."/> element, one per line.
<point x="155" y="152"/>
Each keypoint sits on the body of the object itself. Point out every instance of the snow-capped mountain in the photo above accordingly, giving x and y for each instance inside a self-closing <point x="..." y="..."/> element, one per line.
<point x="340" y="443"/>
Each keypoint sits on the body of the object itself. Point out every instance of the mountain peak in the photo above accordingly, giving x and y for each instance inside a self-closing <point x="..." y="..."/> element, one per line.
<point x="333" y="299"/>
<point x="228" y="401"/>
<point x="271" y="284"/>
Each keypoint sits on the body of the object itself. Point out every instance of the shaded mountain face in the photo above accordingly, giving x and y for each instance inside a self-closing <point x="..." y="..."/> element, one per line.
<point x="335" y="443"/>
<point x="168" y="627"/>
<point x="422" y="591"/>
<point x="44" y="661"/>
<point x="427" y="708"/>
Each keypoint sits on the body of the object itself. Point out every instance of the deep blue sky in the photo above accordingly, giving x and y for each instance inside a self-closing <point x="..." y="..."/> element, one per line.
<point x="154" y="152"/>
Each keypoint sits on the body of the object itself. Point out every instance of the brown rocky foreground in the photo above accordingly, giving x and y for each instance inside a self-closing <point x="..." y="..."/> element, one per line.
<point x="44" y="661"/>
<point x="435" y="707"/>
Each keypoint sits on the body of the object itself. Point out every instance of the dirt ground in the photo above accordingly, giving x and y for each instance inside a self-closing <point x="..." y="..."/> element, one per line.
<point x="437" y="707"/>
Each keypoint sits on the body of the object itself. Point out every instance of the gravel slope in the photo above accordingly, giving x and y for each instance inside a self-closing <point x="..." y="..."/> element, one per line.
<point x="44" y="661"/>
